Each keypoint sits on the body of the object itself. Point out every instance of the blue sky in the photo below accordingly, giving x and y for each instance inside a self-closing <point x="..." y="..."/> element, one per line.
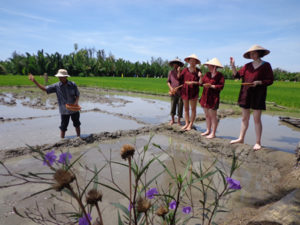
<point x="136" y="30"/>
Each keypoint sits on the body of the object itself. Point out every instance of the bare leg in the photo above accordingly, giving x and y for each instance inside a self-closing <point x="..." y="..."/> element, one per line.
<point x="214" y="121"/>
<point x="62" y="134"/>
<point x="186" y="114"/>
<point x="172" y="120"/>
<point x="193" y="114"/>
<point x="244" y="126"/>
<point x="258" y="128"/>
<point x="178" y="121"/>
<point x="208" y="122"/>
<point x="77" y="131"/>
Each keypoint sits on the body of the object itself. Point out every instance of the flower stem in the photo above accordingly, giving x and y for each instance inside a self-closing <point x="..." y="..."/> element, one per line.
<point x="130" y="197"/>
<point x="79" y="202"/>
<point x="99" y="213"/>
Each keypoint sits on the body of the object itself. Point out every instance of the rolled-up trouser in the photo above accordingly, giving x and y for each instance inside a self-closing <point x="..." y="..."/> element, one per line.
<point x="176" y="101"/>
<point x="66" y="118"/>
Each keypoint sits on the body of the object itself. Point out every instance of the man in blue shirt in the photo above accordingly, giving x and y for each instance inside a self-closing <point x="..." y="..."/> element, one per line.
<point x="67" y="93"/>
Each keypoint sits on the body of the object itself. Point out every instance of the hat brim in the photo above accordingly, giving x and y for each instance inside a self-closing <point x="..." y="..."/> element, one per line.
<point x="218" y="66"/>
<point x="188" y="58"/>
<point x="61" y="75"/>
<point x="176" y="62"/>
<point x="264" y="53"/>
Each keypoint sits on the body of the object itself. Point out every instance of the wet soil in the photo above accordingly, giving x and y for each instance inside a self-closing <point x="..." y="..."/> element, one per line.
<point x="269" y="177"/>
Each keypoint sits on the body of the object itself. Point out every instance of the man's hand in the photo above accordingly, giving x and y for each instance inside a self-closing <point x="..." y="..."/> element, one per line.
<point x="31" y="77"/>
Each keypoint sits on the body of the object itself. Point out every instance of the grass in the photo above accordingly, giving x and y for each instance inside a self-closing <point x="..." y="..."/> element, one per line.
<point x="281" y="93"/>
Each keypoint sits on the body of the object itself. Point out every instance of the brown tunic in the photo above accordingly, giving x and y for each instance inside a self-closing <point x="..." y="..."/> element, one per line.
<point x="254" y="97"/>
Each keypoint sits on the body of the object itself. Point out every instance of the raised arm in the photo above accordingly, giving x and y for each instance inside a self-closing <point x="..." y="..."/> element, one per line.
<point x="42" y="87"/>
<point x="232" y="64"/>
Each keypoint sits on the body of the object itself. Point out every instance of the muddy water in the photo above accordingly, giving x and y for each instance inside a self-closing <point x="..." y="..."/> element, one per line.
<point x="37" y="123"/>
<point x="276" y="134"/>
<point x="254" y="186"/>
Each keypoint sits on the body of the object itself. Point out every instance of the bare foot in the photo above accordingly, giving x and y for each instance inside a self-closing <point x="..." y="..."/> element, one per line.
<point x="257" y="147"/>
<point x="205" y="133"/>
<point x="188" y="128"/>
<point x="184" y="127"/>
<point x="211" y="136"/>
<point x="171" y="122"/>
<point x="237" y="141"/>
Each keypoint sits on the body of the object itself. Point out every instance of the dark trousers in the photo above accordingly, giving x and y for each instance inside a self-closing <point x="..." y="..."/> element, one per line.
<point x="176" y="101"/>
<point x="66" y="118"/>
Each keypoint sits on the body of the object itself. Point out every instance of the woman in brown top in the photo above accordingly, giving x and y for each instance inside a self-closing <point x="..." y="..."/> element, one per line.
<point x="256" y="76"/>
<point x="189" y="92"/>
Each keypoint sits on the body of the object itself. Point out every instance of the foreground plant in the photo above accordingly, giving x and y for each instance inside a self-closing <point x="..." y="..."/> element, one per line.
<point x="149" y="202"/>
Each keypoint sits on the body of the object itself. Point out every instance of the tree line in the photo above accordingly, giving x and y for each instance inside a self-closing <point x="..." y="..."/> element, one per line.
<point x="92" y="62"/>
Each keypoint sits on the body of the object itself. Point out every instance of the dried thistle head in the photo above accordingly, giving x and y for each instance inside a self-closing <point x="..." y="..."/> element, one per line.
<point x="93" y="196"/>
<point x="63" y="178"/>
<point x="127" y="151"/>
<point x="162" y="211"/>
<point x="143" y="205"/>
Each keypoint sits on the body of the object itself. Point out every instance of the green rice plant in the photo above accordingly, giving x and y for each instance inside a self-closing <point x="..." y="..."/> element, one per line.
<point x="279" y="93"/>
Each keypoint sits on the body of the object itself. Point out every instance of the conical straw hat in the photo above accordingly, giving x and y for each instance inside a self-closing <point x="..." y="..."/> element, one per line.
<point x="214" y="62"/>
<point x="192" y="56"/>
<point x="177" y="61"/>
<point x="256" y="48"/>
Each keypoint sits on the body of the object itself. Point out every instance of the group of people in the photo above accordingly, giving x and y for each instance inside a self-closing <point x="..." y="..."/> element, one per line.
<point x="184" y="91"/>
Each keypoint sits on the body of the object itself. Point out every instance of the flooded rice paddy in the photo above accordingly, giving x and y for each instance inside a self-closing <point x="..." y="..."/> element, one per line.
<point x="33" y="121"/>
<point x="31" y="118"/>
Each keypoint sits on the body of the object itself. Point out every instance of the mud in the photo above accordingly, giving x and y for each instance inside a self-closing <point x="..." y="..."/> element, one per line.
<point x="269" y="178"/>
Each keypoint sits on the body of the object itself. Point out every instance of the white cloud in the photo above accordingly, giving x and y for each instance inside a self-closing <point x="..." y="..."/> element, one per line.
<point x="29" y="16"/>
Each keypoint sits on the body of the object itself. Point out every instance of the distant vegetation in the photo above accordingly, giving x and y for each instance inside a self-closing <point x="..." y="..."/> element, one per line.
<point x="91" y="62"/>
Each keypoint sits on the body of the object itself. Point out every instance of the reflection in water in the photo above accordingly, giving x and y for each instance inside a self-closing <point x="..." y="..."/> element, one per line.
<point x="276" y="134"/>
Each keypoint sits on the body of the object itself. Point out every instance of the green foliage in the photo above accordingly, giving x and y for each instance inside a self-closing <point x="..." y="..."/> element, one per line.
<point x="279" y="93"/>
<point x="83" y="63"/>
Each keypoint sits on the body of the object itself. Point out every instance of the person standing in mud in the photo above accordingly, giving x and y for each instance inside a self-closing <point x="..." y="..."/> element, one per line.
<point x="213" y="83"/>
<point x="256" y="76"/>
<point x="190" y="92"/>
<point x="174" y="86"/>
<point x="67" y="93"/>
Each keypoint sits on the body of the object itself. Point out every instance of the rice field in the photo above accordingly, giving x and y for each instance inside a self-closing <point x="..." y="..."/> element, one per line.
<point x="281" y="93"/>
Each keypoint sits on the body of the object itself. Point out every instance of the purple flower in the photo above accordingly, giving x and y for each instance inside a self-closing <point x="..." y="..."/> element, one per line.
<point x="130" y="207"/>
<point x="187" y="209"/>
<point x="83" y="220"/>
<point x="172" y="205"/>
<point x="50" y="158"/>
<point x="233" y="184"/>
<point x="151" y="192"/>
<point x="64" y="158"/>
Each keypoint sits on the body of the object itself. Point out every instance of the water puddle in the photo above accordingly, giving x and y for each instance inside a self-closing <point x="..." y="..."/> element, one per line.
<point x="276" y="134"/>
<point x="119" y="112"/>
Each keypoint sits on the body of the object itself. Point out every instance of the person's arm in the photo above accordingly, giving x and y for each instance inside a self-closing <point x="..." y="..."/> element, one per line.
<point x="268" y="77"/>
<point x="220" y="84"/>
<point x="77" y="100"/>
<point x="232" y="64"/>
<point x="42" y="87"/>
<point x="178" y="72"/>
<point x="200" y="75"/>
